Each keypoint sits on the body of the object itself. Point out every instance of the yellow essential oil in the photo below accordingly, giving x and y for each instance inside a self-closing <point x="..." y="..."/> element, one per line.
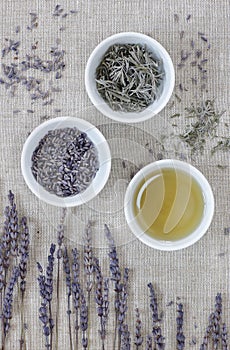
<point x="168" y="204"/>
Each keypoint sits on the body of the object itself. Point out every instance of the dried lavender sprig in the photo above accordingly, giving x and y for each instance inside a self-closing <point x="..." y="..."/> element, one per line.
<point x="24" y="255"/>
<point x="115" y="276"/>
<point x="99" y="298"/>
<point x="138" y="340"/>
<point x="46" y="292"/>
<point x="208" y="332"/>
<point x="216" y="326"/>
<point x="149" y="343"/>
<point x="13" y="226"/>
<point x="76" y="289"/>
<point x="84" y="321"/>
<point x="88" y="257"/>
<point x="43" y="310"/>
<point x="123" y="305"/>
<point x="60" y="238"/>
<point x="156" y="329"/>
<point x="66" y="267"/>
<point x="125" y="338"/>
<point x="224" y="337"/>
<point x="8" y="300"/>
<point x="180" y="338"/>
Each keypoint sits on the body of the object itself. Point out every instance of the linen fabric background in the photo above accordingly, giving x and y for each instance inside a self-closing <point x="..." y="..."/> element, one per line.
<point x="192" y="276"/>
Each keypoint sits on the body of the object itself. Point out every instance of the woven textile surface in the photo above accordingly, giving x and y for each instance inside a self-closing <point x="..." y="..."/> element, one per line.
<point x="192" y="276"/>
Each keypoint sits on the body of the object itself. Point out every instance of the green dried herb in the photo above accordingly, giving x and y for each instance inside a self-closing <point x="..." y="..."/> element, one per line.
<point x="223" y="145"/>
<point x="128" y="77"/>
<point x="206" y="120"/>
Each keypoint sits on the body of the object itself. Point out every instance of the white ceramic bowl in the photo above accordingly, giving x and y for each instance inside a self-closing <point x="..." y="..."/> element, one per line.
<point x="165" y="89"/>
<point x="103" y="155"/>
<point x="207" y="213"/>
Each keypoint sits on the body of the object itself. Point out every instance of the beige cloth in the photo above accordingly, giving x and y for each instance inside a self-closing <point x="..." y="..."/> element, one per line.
<point x="195" y="274"/>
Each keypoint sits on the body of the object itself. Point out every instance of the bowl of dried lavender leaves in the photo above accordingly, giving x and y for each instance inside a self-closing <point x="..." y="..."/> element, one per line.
<point x="66" y="161"/>
<point x="129" y="77"/>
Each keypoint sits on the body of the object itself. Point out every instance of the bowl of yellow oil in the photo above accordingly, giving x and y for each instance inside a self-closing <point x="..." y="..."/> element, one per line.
<point x="169" y="204"/>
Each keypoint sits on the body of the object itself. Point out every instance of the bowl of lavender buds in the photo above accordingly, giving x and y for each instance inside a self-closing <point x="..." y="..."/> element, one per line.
<point x="66" y="161"/>
<point x="129" y="77"/>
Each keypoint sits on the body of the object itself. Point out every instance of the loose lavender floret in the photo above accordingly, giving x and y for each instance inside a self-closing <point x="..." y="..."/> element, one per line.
<point x="8" y="300"/>
<point x="65" y="162"/>
<point x="149" y="343"/>
<point x="138" y="340"/>
<point x="180" y="335"/>
<point x="156" y="330"/>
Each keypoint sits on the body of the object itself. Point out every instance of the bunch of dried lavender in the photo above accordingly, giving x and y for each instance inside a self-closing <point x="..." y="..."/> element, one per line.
<point x="115" y="276"/>
<point x="101" y="299"/>
<point x="138" y="340"/>
<point x="180" y="335"/>
<point x="14" y="252"/>
<point x="46" y="293"/>
<point x="206" y="119"/>
<point x="156" y="329"/>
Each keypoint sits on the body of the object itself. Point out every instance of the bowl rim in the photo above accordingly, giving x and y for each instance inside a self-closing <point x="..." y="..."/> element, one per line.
<point x="103" y="151"/>
<point x="200" y="230"/>
<point x="102" y="106"/>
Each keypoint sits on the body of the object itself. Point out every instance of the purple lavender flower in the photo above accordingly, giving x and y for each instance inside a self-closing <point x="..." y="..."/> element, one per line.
<point x="138" y="340"/>
<point x="180" y="335"/>
<point x="125" y="338"/>
<point x="76" y="289"/>
<point x="46" y="292"/>
<point x="88" y="257"/>
<point x="24" y="253"/>
<point x="149" y="343"/>
<point x="13" y="225"/>
<point x="115" y="276"/>
<point x="84" y="321"/>
<point x="216" y="326"/>
<point x="66" y="267"/>
<point x="101" y="299"/>
<point x="224" y="337"/>
<point x="8" y="300"/>
<point x="156" y="330"/>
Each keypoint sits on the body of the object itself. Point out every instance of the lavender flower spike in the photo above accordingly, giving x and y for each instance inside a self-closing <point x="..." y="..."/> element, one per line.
<point x="156" y="330"/>
<point x="180" y="335"/>
<point x="88" y="256"/>
<point x="149" y="343"/>
<point x="138" y="340"/>
<point x="224" y="337"/>
<point x="84" y="321"/>
<point x="8" y="300"/>
<point x="24" y="251"/>
<point x="76" y="289"/>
